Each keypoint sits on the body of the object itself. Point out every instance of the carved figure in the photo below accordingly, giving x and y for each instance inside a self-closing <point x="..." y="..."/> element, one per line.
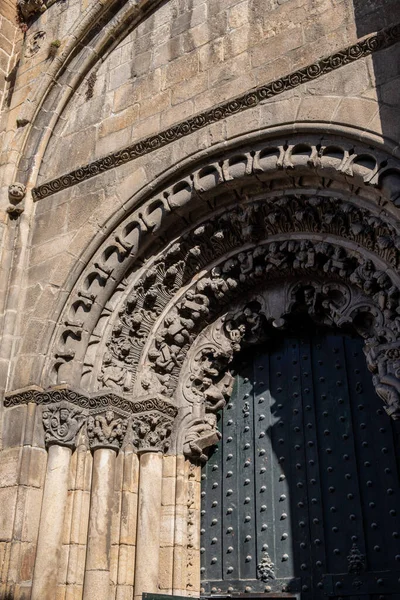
<point x="28" y="8"/>
<point x="388" y="295"/>
<point x="275" y="258"/>
<point x="363" y="275"/>
<point x="195" y="305"/>
<point x="178" y="329"/>
<point x="114" y="376"/>
<point x="246" y="263"/>
<point x="305" y="256"/>
<point x="217" y="284"/>
<point x="62" y="424"/>
<point x="16" y="193"/>
<point x="151" y="431"/>
<point x="388" y="388"/>
<point x="215" y="394"/>
<point x="201" y="434"/>
<point x="338" y="262"/>
<point x="106" y="430"/>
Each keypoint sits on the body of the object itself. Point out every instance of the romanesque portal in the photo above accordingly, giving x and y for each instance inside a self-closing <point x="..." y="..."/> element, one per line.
<point x="200" y="299"/>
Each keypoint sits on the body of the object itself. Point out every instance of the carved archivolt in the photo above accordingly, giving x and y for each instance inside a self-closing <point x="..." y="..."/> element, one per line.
<point x="262" y="234"/>
<point x="337" y="166"/>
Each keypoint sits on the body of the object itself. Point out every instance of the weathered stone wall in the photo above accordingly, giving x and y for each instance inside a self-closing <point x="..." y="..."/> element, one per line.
<point x="187" y="57"/>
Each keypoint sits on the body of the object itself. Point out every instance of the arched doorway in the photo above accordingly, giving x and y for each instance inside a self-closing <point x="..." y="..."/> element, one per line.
<point x="301" y="495"/>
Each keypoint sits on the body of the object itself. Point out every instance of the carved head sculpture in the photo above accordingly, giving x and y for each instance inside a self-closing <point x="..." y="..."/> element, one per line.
<point x="16" y="192"/>
<point x="109" y="416"/>
<point x="64" y="414"/>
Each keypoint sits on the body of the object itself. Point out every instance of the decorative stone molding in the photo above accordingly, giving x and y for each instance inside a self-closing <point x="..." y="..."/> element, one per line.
<point x="251" y="224"/>
<point x="256" y="170"/>
<point x="109" y="420"/>
<point x="361" y="49"/>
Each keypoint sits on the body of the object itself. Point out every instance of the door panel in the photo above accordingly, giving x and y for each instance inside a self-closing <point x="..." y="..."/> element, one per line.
<point x="304" y="486"/>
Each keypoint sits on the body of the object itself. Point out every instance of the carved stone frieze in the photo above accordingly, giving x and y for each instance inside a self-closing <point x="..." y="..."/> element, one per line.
<point x="107" y="419"/>
<point x="233" y="106"/>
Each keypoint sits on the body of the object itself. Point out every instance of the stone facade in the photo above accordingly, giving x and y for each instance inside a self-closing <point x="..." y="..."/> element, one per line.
<point x="176" y="177"/>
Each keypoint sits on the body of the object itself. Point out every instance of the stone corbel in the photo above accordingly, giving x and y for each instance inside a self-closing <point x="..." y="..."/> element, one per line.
<point x="16" y="195"/>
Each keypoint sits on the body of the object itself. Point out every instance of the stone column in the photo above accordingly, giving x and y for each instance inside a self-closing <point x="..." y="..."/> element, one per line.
<point x="128" y="519"/>
<point x="149" y="523"/>
<point x="97" y="571"/>
<point x="51" y="523"/>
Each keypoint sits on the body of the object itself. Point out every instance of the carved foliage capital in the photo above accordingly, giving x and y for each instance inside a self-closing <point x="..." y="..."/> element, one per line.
<point x="62" y="423"/>
<point x="107" y="419"/>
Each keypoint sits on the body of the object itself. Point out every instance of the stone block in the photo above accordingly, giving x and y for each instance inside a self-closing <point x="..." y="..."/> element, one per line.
<point x="195" y="85"/>
<point x="126" y="95"/>
<point x="8" y="499"/>
<point x="276" y="46"/>
<point x="180" y="70"/>
<point x="168" y="491"/>
<point x="13" y="426"/>
<point x="32" y="511"/>
<point x="73" y="592"/>
<point x="76" y="564"/>
<point x="126" y="565"/>
<point x="9" y="466"/>
<point x="124" y="592"/>
<point x="167" y="526"/>
<point x="126" y="118"/>
<point x="27" y="557"/>
<point x="177" y="113"/>
<point x="128" y="518"/>
<point x="166" y="568"/>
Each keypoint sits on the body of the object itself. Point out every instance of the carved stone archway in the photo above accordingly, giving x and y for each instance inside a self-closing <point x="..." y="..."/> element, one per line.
<point x="341" y="259"/>
<point x="139" y="360"/>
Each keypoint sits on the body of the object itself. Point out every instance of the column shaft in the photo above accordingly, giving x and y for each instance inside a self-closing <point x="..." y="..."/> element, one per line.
<point x="149" y="523"/>
<point x="51" y="524"/>
<point x="97" y="572"/>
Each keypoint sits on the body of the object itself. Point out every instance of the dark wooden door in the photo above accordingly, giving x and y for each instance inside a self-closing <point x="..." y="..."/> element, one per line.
<point x="301" y="496"/>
